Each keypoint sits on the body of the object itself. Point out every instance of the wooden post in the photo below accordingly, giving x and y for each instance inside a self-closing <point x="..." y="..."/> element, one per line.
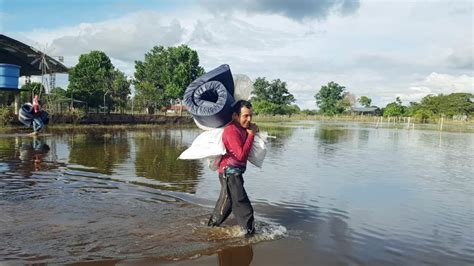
<point x="16" y="105"/>
<point x="408" y="124"/>
<point x="441" y="124"/>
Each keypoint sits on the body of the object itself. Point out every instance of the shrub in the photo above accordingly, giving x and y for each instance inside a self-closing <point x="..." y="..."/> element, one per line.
<point x="6" y="115"/>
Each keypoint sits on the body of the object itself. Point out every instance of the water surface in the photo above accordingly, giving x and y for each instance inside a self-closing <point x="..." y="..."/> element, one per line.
<point x="328" y="192"/>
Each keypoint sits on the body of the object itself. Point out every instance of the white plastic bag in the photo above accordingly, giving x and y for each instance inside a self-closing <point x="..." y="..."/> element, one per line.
<point x="208" y="143"/>
<point x="259" y="149"/>
<point x="243" y="87"/>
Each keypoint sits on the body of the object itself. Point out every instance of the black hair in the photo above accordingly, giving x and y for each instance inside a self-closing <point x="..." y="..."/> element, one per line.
<point x="237" y="106"/>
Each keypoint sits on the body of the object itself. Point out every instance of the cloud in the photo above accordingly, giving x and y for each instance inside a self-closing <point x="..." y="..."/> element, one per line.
<point x="385" y="51"/>
<point x="462" y="58"/>
<point x="125" y="39"/>
<point x="436" y="83"/>
<point x="296" y="10"/>
<point x="444" y="83"/>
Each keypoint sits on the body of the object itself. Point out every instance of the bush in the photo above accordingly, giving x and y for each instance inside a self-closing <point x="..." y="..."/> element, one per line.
<point x="423" y="114"/>
<point x="309" y="112"/>
<point x="6" y="115"/>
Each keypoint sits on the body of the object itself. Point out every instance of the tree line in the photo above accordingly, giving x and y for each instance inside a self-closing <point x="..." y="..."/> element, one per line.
<point x="332" y="99"/>
<point x="161" y="78"/>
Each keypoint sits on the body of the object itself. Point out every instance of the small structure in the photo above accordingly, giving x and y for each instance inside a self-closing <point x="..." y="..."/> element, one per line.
<point x="176" y="109"/>
<point x="31" y="62"/>
<point x="373" y="110"/>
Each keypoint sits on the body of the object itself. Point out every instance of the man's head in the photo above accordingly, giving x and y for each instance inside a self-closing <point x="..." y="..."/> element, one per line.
<point x="242" y="113"/>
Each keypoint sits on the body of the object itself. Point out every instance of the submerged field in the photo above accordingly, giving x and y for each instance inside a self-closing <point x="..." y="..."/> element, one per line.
<point x="329" y="192"/>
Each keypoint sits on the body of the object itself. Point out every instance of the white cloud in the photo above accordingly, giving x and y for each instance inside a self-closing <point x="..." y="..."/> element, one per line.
<point x="442" y="83"/>
<point x="386" y="49"/>
<point x="436" y="84"/>
<point x="126" y="39"/>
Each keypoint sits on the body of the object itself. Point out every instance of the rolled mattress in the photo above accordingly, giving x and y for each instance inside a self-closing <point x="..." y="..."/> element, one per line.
<point x="44" y="116"/>
<point x="210" y="97"/>
<point x="210" y="104"/>
<point x="25" y="115"/>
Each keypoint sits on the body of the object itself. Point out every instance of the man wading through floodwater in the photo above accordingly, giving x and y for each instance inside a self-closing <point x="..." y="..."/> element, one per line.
<point x="237" y="138"/>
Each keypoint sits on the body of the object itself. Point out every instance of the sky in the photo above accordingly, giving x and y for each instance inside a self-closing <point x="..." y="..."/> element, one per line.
<point x="380" y="49"/>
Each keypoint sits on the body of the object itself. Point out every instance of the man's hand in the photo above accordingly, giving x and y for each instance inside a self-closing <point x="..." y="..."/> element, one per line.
<point x="253" y="129"/>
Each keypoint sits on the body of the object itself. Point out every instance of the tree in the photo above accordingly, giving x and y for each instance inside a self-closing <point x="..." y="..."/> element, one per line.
<point x="328" y="98"/>
<point x="165" y="74"/>
<point x="449" y="105"/>
<point x="309" y="112"/>
<point x="147" y="97"/>
<point x="412" y="109"/>
<point x="394" y="108"/>
<point x="90" y="79"/>
<point x="348" y="101"/>
<point x="120" y="90"/>
<point x="28" y="91"/>
<point x="272" y="97"/>
<point x="59" y="92"/>
<point x="365" y="101"/>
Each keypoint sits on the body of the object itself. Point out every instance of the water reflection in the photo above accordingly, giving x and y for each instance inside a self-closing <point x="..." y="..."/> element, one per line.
<point x="332" y="134"/>
<point x="330" y="137"/>
<point x="32" y="154"/>
<point x="236" y="256"/>
<point x="25" y="155"/>
<point x="156" y="158"/>
<point x="279" y="137"/>
<point x="8" y="149"/>
<point x="101" y="152"/>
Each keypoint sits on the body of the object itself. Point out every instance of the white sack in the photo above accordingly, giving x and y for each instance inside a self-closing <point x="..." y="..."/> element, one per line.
<point x="243" y="87"/>
<point x="209" y="145"/>
<point x="259" y="150"/>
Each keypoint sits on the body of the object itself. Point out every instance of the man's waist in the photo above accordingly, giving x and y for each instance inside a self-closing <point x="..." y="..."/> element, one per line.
<point x="231" y="170"/>
<point x="228" y="161"/>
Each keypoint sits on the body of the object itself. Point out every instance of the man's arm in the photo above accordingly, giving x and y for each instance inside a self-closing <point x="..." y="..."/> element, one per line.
<point x="234" y="144"/>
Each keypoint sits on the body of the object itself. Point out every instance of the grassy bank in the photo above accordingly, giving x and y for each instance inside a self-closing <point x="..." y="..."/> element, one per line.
<point x="186" y="122"/>
<point x="443" y="124"/>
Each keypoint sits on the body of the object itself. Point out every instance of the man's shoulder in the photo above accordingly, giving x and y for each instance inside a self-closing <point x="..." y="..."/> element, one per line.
<point x="231" y="129"/>
<point x="230" y="126"/>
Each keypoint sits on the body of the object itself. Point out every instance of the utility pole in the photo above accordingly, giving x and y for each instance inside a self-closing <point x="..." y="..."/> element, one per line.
<point x="104" y="99"/>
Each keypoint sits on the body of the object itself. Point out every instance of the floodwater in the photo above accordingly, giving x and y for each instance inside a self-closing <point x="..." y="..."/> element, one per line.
<point x="327" y="194"/>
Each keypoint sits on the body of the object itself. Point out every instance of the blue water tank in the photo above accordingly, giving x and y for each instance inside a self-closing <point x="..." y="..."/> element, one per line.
<point x="9" y="75"/>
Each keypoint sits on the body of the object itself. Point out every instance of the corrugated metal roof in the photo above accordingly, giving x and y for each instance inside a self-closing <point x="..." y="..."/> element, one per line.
<point x="364" y="109"/>
<point x="28" y="58"/>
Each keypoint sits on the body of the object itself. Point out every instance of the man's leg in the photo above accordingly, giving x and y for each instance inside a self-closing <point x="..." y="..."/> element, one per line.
<point x="223" y="205"/>
<point x="241" y="206"/>
<point x="37" y="124"/>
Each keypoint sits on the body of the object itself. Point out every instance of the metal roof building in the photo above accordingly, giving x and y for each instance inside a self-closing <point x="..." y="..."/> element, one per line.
<point x="32" y="61"/>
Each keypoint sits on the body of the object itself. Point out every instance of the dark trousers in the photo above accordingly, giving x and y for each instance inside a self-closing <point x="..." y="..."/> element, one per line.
<point x="233" y="198"/>
<point x="37" y="124"/>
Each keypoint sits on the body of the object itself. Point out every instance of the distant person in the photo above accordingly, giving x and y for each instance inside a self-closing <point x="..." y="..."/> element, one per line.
<point x="37" y="121"/>
<point x="238" y="137"/>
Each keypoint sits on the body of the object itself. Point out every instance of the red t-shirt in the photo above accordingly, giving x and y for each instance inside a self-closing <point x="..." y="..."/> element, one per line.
<point x="238" y="144"/>
<point x="35" y="105"/>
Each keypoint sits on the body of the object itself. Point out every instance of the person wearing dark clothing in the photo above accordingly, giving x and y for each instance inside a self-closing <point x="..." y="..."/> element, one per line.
<point x="238" y="137"/>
